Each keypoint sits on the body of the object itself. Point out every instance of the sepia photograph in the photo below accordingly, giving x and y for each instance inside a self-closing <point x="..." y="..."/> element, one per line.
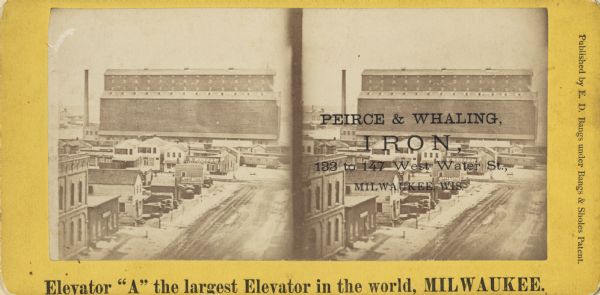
<point x="169" y="134"/>
<point x="424" y="134"/>
<point x="312" y="134"/>
<point x="299" y="147"/>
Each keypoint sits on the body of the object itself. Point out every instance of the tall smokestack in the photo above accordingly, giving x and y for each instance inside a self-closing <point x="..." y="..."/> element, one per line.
<point x="86" y="100"/>
<point x="344" y="91"/>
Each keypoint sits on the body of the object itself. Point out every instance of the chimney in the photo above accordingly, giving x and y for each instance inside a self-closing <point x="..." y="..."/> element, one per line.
<point x="344" y="91"/>
<point x="86" y="100"/>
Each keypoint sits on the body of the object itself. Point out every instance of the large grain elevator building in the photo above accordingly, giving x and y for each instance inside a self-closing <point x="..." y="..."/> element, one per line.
<point x="190" y="105"/>
<point x="506" y="93"/>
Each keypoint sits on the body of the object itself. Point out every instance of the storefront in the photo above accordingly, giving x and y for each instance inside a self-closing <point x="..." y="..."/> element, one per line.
<point x="103" y="216"/>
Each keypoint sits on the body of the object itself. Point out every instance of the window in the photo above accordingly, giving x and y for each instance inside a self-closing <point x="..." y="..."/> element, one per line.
<point x="79" y="230"/>
<point x="72" y="194"/>
<point x="179" y="155"/>
<point x="318" y="198"/>
<point x="328" y="233"/>
<point x="308" y="200"/>
<point x="154" y="150"/>
<point x="379" y="207"/>
<point x="337" y="229"/>
<point x="90" y="189"/>
<point x="61" y="192"/>
<point x="329" y="189"/>
<point x="144" y="150"/>
<point x="121" y="207"/>
<point x="72" y="234"/>
<point x="121" y="151"/>
<point x="308" y="149"/>
<point x="337" y="192"/>
<point x="80" y="191"/>
<point x="347" y="189"/>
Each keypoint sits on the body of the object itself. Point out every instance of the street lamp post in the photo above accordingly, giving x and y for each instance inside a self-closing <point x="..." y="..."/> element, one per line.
<point x="429" y="208"/>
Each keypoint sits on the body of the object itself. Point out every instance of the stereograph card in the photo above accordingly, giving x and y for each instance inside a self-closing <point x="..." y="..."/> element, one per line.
<point x="300" y="147"/>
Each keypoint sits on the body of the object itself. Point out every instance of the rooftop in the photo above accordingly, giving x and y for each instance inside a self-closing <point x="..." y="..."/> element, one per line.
<point x="351" y="201"/>
<point x="310" y="158"/>
<point x="96" y="200"/>
<point x="231" y="143"/>
<point x="357" y="176"/>
<point x="75" y="142"/>
<point x="447" y="72"/>
<point x="129" y="142"/>
<point x="163" y="180"/>
<point x="205" y="72"/>
<point x="333" y="143"/>
<point x="180" y="146"/>
<point x="489" y="143"/>
<point x="177" y="95"/>
<point x="154" y="141"/>
<point x="70" y="157"/>
<point x="420" y="177"/>
<point x="112" y="176"/>
<point x="448" y="95"/>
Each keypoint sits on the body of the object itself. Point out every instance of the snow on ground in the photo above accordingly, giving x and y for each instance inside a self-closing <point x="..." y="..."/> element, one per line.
<point x="278" y="217"/>
<point x="142" y="242"/>
<point x="245" y="173"/>
<point x="145" y="241"/>
<point x="71" y="132"/>
<point x="258" y="173"/>
<point x="511" y="174"/>
<point x="394" y="243"/>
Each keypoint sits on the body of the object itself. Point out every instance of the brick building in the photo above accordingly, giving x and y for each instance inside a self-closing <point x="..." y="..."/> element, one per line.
<point x="72" y="205"/>
<point x="323" y="196"/>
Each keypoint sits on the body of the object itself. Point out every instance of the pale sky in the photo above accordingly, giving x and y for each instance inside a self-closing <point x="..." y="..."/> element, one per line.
<point x="333" y="39"/>
<point x="98" y="39"/>
<point x="358" y="39"/>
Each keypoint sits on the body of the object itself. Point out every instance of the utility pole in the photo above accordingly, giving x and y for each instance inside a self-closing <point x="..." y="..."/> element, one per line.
<point x="429" y="208"/>
<point x="417" y="221"/>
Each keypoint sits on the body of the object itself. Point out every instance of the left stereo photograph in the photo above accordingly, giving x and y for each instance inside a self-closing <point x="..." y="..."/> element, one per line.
<point x="169" y="134"/>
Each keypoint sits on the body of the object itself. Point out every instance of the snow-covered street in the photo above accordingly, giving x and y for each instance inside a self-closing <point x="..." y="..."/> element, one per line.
<point x="252" y="215"/>
<point x="489" y="220"/>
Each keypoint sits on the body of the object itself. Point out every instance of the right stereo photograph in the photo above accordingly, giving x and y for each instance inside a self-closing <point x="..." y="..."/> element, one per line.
<point x="424" y="134"/>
